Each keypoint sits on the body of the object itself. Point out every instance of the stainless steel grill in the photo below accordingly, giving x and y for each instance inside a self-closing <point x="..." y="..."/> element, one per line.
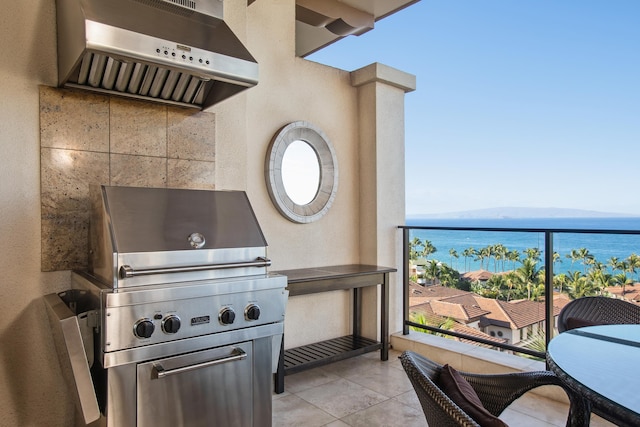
<point x="177" y="322"/>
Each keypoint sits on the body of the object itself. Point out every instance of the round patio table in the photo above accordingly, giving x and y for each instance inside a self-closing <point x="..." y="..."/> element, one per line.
<point x="601" y="363"/>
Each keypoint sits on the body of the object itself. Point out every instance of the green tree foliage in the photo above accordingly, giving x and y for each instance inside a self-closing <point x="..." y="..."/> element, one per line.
<point x="419" y="248"/>
<point x="442" y="323"/>
<point x="519" y="276"/>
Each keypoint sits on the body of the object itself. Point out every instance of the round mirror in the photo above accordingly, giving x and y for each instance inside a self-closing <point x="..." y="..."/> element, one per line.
<point x="301" y="172"/>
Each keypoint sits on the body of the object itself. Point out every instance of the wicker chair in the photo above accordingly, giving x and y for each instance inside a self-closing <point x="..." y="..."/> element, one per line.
<point x="589" y="311"/>
<point x="599" y="310"/>
<point x="496" y="392"/>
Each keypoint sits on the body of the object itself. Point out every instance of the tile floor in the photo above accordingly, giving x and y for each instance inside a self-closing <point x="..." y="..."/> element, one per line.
<point x="364" y="391"/>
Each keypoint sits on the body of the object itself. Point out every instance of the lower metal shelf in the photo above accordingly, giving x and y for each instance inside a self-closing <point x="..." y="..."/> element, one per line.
<point x="324" y="352"/>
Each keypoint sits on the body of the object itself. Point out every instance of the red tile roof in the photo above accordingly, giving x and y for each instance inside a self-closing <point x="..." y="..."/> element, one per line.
<point x="477" y="275"/>
<point x="432" y="318"/>
<point x="467" y="307"/>
<point x="517" y="314"/>
<point x="631" y="292"/>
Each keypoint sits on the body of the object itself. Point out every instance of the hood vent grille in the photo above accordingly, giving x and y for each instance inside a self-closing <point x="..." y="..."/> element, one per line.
<point x="101" y="72"/>
<point x="177" y="8"/>
<point x="154" y="50"/>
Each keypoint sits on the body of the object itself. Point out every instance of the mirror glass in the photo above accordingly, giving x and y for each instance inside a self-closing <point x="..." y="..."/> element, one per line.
<point x="300" y="172"/>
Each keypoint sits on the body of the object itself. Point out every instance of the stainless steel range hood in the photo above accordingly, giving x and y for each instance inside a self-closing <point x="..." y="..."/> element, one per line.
<point x="178" y="52"/>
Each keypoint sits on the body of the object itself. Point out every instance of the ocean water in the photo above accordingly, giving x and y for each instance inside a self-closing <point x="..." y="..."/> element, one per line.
<point x="602" y="246"/>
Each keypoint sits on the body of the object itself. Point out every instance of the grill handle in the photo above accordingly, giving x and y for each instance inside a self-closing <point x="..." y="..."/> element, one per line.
<point x="159" y="372"/>
<point x="126" y="271"/>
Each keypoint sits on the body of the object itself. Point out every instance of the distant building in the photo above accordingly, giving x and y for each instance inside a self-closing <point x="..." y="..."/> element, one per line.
<point x="511" y="322"/>
<point x="631" y="292"/>
<point x="477" y="276"/>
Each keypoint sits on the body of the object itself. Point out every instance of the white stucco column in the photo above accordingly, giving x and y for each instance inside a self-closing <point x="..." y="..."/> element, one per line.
<point x="381" y="92"/>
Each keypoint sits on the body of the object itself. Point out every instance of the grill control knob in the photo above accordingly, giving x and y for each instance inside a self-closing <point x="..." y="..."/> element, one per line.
<point x="227" y="316"/>
<point x="143" y="328"/>
<point x="171" y="324"/>
<point x="252" y="312"/>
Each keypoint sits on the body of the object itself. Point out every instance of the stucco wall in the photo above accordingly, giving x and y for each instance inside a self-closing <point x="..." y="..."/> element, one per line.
<point x="31" y="388"/>
<point x="32" y="392"/>
<point x="294" y="89"/>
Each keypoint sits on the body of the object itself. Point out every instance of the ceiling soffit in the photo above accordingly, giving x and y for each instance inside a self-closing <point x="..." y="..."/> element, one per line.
<point x="339" y="18"/>
<point x="320" y="23"/>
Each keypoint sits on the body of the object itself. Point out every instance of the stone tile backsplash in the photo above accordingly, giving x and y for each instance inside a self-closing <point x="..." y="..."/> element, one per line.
<point x="138" y="171"/>
<point x="138" y="128"/>
<point x="96" y="139"/>
<point x="74" y="120"/>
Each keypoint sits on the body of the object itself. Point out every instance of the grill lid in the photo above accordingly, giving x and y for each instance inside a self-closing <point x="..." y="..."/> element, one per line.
<point x="162" y="219"/>
<point x="137" y="231"/>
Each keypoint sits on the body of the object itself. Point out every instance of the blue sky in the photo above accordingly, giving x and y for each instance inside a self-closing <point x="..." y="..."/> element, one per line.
<point x="528" y="103"/>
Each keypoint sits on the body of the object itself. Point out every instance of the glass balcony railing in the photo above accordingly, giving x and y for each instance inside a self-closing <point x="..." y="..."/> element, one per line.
<point x="503" y="288"/>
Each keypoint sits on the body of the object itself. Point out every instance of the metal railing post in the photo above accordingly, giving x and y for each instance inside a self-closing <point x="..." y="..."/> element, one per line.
<point x="548" y="287"/>
<point x="405" y="281"/>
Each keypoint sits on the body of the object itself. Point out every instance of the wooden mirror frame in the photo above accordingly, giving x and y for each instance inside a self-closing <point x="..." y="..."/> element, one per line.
<point x="328" y="186"/>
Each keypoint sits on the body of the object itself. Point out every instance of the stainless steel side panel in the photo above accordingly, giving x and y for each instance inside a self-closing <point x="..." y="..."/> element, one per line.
<point x="120" y="408"/>
<point x="262" y="385"/>
<point x="72" y="356"/>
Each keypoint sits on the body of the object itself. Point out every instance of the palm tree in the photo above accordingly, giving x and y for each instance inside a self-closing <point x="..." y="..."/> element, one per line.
<point x="449" y="277"/>
<point x="560" y="280"/>
<point x="428" y="249"/>
<point x="446" y="323"/>
<point x="414" y="244"/>
<point x="533" y="254"/>
<point x="528" y="275"/>
<point x="556" y="259"/>
<point x="537" y="342"/>
<point x="491" y="253"/>
<point x="513" y="256"/>
<point x="599" y="277"/>
<point x="622" y="280"/>
<point x="481" y="255"/>
<point x="432" y="270"/>
<point x="511" y="280"/>
<point x="573" y="256"/>
<point x="633" y="262"/>
<point x="499" y="253"/>
<point x="578" y="285"/>
<point x="616" y="264"/>
<point x="586" y="258"/>
<point x="469" y="252"/>
<point x="453" y="254"/>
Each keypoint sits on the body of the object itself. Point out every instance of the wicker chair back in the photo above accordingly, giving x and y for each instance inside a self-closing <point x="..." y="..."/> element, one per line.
<point x="597" y="310"/>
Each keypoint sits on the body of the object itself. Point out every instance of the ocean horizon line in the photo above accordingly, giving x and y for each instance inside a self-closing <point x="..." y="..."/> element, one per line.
<point x="521" y="213"/>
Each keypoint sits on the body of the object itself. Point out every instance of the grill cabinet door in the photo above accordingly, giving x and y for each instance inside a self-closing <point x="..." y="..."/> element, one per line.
<point x="209" y="387"/>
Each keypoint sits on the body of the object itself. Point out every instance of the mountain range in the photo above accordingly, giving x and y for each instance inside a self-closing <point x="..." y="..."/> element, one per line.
<point x="522" y="212"/>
